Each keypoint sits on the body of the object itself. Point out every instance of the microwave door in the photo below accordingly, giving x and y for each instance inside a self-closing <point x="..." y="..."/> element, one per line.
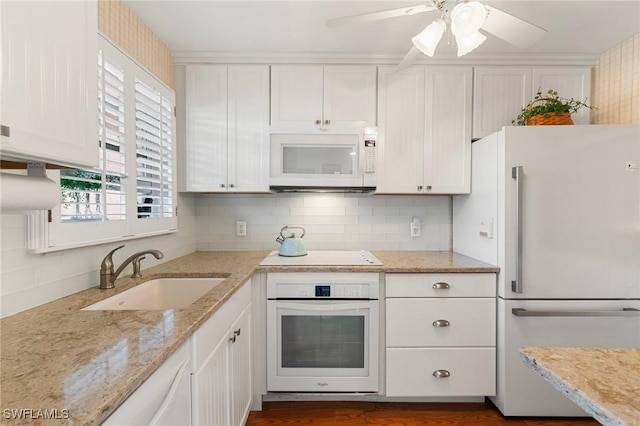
<point x="316" y="161"/>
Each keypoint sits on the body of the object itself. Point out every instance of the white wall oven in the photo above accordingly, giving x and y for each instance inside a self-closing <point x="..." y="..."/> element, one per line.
<point x="322" y="332"/>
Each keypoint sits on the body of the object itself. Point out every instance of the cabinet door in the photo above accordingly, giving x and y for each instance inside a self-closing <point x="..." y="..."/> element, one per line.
<point x="499" y="94"/>
<point x="447" y="152"/>
<point x="206" y="127"/>
<point x="49" y="82"/>
<point x="569" y="82"/>
<point x="248" y="128"/>
<point x="350" y="95"/>
<point x="210" y="388"/>
<point x="240" y="373"/>
<point x="400" y="130"/>
<point x="296" y="94"/>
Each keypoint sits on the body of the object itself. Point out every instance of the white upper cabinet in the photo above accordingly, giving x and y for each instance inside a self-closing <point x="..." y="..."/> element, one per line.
<point x="569" y="82"/>
<point x="424" y="130"/>
<point x="447" y="153"/>
<point x="323" y="96"/>
<point x="400" y="129"/>
<point x="227" y="122"/>
<point x="49" y="82"/>
<point x="499" y="94"/>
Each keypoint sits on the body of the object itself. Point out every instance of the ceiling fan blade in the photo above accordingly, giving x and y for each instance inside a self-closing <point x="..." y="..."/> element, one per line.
<point x="408" y="59"/>
<point x="383" y="14"/>
<point x="511" y="29"/>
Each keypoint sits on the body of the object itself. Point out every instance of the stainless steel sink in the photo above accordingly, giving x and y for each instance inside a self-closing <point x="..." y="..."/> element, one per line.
<point x="158" y="294"/>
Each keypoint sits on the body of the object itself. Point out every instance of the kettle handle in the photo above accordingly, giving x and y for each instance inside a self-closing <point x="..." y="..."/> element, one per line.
<point x="291" y="227"/>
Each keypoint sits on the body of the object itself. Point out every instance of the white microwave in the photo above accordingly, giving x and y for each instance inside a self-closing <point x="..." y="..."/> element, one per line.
<point x="331" y="160"/>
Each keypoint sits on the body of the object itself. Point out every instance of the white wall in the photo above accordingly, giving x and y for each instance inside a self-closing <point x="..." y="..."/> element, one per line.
<point x="29" y="280"/>
<point x="332" y="221"/>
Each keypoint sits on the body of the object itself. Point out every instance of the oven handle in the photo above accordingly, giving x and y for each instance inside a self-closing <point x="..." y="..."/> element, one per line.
<point x="324" y="306"/>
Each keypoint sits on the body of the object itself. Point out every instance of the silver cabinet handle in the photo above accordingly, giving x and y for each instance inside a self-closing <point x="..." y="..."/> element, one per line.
<point x="429" y="187"/>
<point x="5" y="130"/>
<point x="624" y="312"/>
<point x="318" y="122"/>
<point x="222" y="185"/>
<point x="440" y="374"/>
<point x="441" y="323"/>
<point x="231" y="185"/>
<point x="441" y="286"/>
<point x="327" y="122"/>
<point x="419" y="187"/>
<point x="516" y="173"/>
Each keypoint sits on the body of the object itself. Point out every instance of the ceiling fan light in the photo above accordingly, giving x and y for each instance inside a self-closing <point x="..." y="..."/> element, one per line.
<point x="429" y="38"/>
<point x="469" y="43"/>
<point x="467" y="18"/>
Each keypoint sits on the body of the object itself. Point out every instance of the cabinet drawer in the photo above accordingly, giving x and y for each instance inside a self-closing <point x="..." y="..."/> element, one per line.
<point x="472" y="372"/>
<point x="441" y="285"/>
<point x="460" y="322"/>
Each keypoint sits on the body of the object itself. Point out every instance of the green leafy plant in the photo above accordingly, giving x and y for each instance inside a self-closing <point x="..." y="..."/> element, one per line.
<point x="548" y="104"/>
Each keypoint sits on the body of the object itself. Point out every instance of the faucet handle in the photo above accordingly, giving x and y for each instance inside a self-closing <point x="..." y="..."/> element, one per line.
<point x="107" y="262"/>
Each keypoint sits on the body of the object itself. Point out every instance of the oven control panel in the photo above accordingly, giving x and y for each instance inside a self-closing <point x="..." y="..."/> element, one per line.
<point x="308" y="285"/>
<point x="326" y="291"/>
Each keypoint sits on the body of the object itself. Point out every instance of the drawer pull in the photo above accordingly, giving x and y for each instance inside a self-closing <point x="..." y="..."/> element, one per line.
<point x="441" y="286"/>
<point x="440" y="374"/>
<point x="441" y="323"/>
<point x="237" y="332"/>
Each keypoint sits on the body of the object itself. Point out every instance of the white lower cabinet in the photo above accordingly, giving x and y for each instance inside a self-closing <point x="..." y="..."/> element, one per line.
<point x="440" y="334"/>
<point x="221" y="379"/>
<point x="163" y="399"/>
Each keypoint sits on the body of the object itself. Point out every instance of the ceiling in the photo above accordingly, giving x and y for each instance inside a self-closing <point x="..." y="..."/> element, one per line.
<point x="586" y="27"/>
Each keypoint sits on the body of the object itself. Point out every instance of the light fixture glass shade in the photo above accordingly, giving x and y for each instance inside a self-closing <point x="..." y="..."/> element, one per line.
<point x="467" y="43"/>
<point x="429" y="38"/>
<point x="467" y="18"/>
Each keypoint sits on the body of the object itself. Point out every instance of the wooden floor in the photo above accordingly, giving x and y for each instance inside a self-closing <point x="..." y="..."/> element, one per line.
<point x="396" y="414"/>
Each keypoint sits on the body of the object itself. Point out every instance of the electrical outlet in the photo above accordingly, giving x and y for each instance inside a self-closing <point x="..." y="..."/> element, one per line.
<point x="241" y="228"/>
<point x="415" y="227"/>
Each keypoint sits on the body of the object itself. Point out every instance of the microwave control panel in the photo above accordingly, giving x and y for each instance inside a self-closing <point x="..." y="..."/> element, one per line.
<point x="370" y="153"/>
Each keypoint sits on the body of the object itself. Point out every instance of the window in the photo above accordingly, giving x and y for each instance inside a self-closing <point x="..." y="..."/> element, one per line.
<point x="132" y="193"/>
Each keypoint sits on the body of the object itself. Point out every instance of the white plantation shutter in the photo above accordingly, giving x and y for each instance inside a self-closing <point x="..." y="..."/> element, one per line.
<point x="90" y="195"/>
<point x="154" y="153"/>
<point x="132" y="193"/>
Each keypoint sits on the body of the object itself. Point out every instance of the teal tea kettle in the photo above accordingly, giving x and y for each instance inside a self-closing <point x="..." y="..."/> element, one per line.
<point x="291" y="246"/>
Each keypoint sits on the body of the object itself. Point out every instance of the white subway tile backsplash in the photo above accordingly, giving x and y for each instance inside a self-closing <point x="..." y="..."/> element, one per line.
<point x="332" y="221"/>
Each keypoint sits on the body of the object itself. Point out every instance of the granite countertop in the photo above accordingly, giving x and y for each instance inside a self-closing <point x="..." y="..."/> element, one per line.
<point x="81" y="365"/>
<point x="603" y="382"/>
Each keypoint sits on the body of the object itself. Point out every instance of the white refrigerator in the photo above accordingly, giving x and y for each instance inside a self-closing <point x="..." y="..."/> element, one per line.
<point x="557" y="208"/>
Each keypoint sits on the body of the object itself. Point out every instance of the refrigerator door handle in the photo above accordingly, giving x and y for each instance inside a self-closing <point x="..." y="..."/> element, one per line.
<point x="624" y="312"/>
<point x="516" y="173"/>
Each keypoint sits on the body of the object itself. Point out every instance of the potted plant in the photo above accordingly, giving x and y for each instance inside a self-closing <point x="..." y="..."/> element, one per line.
<point x="550" y="109"/>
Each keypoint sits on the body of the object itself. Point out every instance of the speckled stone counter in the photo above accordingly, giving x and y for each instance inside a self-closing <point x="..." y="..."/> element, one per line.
<point x="81" y="365"/>
<point x="603" y="382"/>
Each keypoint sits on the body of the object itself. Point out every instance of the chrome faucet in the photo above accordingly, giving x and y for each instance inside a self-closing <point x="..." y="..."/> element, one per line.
<point x="108" y="277"/>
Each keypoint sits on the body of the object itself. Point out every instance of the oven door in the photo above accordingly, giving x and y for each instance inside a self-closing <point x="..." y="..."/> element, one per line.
<point x="322" y="346"/>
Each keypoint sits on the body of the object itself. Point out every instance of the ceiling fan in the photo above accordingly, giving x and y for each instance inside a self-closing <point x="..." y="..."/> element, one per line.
<point x="464" y="18"/>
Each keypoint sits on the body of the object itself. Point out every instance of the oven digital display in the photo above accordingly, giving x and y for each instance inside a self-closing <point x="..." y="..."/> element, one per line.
<point x="323" y="291"/>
